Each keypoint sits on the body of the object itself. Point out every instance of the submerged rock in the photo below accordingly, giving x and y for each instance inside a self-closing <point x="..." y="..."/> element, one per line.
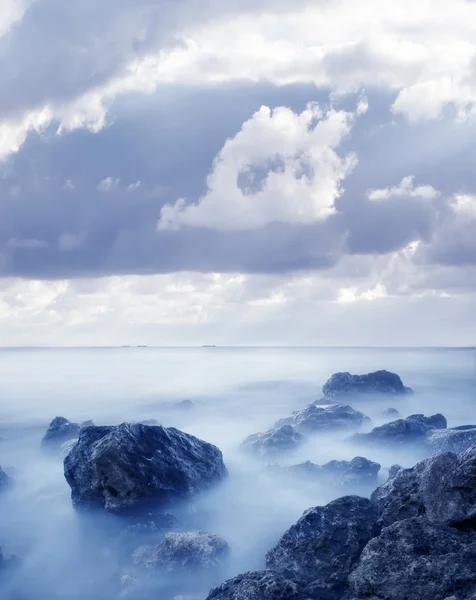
<point x="183" y="553"/>
<point x="133" y="467"/>
<point x="456" y="439"/>
<point x="273" y="442"/>
<point x="411" y="430"/>
<point x="326" y="542"/>
<point x="443" y="488"/>
<point x="258" y="585"/>
<point x="379" y="382"/>
<point x="325" y="418"/>
<point x="416" y="559"/>
<point x="59" y="431"/>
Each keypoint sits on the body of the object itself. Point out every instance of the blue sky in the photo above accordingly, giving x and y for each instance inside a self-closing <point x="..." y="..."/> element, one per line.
<point x="237" y="172"/>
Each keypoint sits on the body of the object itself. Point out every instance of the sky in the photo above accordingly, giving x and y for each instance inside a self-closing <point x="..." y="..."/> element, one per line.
<point x="181" y="172"/>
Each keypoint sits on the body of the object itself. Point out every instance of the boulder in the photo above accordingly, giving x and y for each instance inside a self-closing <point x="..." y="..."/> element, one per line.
<point x="339" y="473"/>
<point x="455" y="439"/>
<point x="326" y="542"/>
<point x="412" y="430"/>
<point x="443" y="488"/>
<point x="258" y="585"/>
<point x="273" y="442"/>
<point x="183" y="553"/>
<point x="416" y="559"/>
<point x="129" y="468"/>
<point x="391" y="414"/>
<point x="59" y="431"/>
<point x="379" y="382"/>
<point x="325" y="418"/>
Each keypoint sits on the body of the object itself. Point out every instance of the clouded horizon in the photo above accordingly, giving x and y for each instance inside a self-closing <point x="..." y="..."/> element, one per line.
<point x="290" y="173"/>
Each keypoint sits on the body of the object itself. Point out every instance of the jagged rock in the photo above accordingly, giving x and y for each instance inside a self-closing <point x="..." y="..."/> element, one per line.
<point x="5" y="480"/>
<point x="59" y="431"/>
<point x="443" y="488"/>
<point x="411" y="430"/>
<point x="325" y="418"/>
<point x="326" y="542"/>
<point x="133" y="467"/>
<point x="392" y="472"/>
<point x="273" y="442"/>
<point x="338" y="473"/>
<point x="258" y="585"/>
<point x="391" y="413"/>
<point x="379" y="382"/>
<point x="183" y="553"/>
<point x="456" y="439"/>
<point x="416" y="559"/>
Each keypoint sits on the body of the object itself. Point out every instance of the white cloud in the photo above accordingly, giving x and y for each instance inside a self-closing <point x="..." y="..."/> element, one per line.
<point x="108" y="184"/>
<point x="405" y="189"/>
<point x="280" y="167"/>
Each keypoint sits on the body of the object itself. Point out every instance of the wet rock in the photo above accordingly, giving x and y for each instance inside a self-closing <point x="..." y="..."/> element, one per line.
<point x="183" y="553"/>
<point x="59" y="431"/>
<point x="274" y="442"/>
<point x="258" y="585"/>
<point x="325" y="418"/>
<point x="443" y="488"/>
<point x="456" y="439"/>
<point x="412" y="430"/>
<point x="416" y="559"/>
<point x="135" y="467"/>
<point x="379" y="382"/>
<point x="326" y="542"/>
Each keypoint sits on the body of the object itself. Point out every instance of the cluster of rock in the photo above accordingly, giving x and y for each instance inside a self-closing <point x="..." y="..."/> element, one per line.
<point x="414" y="538"/>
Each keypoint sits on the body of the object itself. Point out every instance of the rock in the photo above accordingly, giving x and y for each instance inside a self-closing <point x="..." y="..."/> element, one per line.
<point x="443" y="488"/>
<point x="326" y="542"/>
<point x="273" y="442"/>
<point x="183" y="553"/>
<point x="339" y="473"/>
<point x="185" y="405"/>
<point x="391" y="413"/>
<point x="379" y="382"/>
<point x="392" y="472"/>
<point x="456" y="439"/>
<point x="411" y="430"/>
<point x="5" y="480"/>
<point x="258" y="585"/>
<point x="325" y="418"/>
<point x="146" y="530"/>
<point x="133" y="467"/>
<point x="416" y="559"/>
<point x="66" y="447"/>
<point x="59" y="431"/>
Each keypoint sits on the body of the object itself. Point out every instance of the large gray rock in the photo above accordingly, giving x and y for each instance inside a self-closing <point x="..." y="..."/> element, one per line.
<point x="326" y="542"/>
<point x="273" y="442"/>
<point x="59" y="431"/>
<point x="325" y="418"/>
<point x="443" y="488"/>
<point x="416" y="559"/>
<point x="183" y="553"/>
<point x="258" y="585"/>
<point x="412" y="430"/>
<point x="135" y="467"/>
<point x="456" y="439"/>
<point x="380" y="382"/>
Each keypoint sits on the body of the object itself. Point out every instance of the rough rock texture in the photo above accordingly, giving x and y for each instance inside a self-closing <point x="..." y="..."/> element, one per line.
<point x="379" y="382"/>
<point x="416" y="559"/>
<point x="132" y="467"/>
<point x="340" y="473"/>
<point x="258" y="585"/>
<point x="59" y="431"/>
<point x="325" y="418"/>
<point x="411" y="430"/>
<point x="456" y="439"/>
<point x="273" y="442"/>
<point x="326" y="542"/>
<point x="182" y="553"/>
<point x="5" y="480"/>
<point x="443" y="488"/>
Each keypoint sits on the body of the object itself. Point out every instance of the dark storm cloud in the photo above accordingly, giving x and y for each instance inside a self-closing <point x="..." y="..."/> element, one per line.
<point x="59" y="221"/>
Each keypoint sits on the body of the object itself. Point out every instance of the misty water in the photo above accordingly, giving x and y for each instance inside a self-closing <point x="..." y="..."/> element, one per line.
<point x="236" y="392"/>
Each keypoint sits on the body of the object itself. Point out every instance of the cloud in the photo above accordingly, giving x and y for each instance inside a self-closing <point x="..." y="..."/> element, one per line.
<point x="280" y="167"/>
<point x="405" y="189"/>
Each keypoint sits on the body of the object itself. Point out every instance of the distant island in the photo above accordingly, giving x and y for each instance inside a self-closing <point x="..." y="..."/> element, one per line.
<point x="208" y="346"/>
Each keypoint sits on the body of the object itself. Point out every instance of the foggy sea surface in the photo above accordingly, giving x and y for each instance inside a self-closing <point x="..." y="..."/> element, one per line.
<point x="236" y="392"/>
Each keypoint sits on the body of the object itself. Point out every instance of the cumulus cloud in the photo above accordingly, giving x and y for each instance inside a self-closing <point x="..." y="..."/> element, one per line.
<point x="280" y="167"/>
<point x="405" y="189"/>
